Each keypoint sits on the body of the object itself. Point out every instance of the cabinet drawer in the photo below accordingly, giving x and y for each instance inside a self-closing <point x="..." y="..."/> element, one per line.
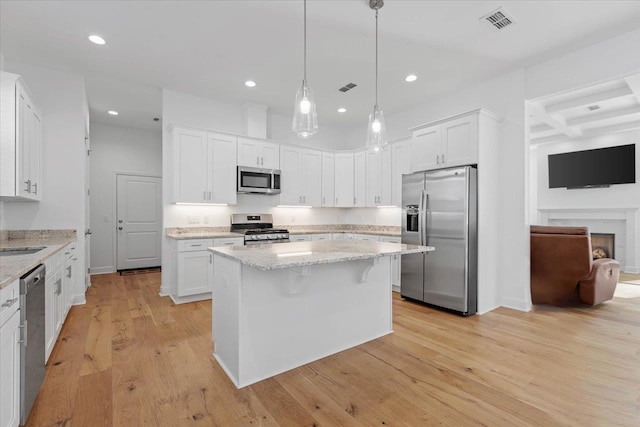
<point x="367" y="237"/>
<point x="229" y="241"/>
<point x="10" y="296"/>
<point x="194" y="245"/>
<point x="55" y="261"/>
<point x="299" y="238"/>
<point x="321" y="237"/>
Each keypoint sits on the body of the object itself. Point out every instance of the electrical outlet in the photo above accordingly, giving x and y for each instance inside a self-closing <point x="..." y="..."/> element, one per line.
<point x="193" y="219"/>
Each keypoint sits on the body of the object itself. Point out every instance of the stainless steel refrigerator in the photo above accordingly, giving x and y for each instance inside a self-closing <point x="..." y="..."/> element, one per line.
<point x="439" y="209"/>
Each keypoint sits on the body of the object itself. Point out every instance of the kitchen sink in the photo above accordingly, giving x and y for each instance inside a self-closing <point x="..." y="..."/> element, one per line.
<point x="20" y="251"/>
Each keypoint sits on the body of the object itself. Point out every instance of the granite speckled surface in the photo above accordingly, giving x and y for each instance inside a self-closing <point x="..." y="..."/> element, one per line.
<point x="299" y="254"/>
<point x="183" y="233"/>
<point x="14" y="266"/>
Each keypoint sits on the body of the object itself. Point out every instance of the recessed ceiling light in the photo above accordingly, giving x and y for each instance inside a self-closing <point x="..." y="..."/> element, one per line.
<point x="342" y="110"/>
<point x="96" y="39"/>
<point x="250" y="83"/>
<point x="411" y="78"/>
<point x="112" y="112"/>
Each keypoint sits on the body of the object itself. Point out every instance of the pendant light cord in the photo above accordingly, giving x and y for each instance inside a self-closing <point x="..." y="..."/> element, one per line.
<point x="376" y="57"/>
<point x="305" y="42"/>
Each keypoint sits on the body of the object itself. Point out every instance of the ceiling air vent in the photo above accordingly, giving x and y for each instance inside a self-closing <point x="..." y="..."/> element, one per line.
<point x="498" y="19"/>
<point x="347" y="87"/>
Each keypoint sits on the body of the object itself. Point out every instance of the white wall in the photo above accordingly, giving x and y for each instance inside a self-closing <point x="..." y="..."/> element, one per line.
<point x="116" y="150"/>
<point x="61" y="97"/>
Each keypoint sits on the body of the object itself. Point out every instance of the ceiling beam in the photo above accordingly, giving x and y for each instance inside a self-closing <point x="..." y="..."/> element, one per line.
<point x="542" y="127"/>
<point x="614" y="128"/>
<point x="599" y="117"/>
<point x="547" y="139"/>
<point x="634" y="85"/>
<point x="558" y="123"/>
<point x="585" y="101"/>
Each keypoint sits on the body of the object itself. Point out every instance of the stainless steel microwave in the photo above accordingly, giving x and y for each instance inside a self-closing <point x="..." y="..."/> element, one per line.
<point x="258" y="180"/>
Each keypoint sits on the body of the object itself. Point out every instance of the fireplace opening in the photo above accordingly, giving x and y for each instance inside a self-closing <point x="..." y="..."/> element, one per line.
<point x="603" y="245"/>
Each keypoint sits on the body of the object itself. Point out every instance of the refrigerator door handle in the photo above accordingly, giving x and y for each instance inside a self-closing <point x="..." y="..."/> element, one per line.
<point x="421" y="215"/>
<point x="424" y="201"/>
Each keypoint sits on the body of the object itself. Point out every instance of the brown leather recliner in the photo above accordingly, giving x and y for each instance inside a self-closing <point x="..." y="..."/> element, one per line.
<point x="563" y="271"/>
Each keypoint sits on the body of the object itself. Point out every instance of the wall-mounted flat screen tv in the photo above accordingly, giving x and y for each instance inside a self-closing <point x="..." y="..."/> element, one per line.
<point x="593" y="168"/>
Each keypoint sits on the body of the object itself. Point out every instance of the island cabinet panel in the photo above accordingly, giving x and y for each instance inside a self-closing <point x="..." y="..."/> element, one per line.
<point x="344" y="176"/>
<point x="254" y="337"/>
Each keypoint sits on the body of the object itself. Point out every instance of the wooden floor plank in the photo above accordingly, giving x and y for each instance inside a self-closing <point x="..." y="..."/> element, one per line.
<point x="130" y="357"/>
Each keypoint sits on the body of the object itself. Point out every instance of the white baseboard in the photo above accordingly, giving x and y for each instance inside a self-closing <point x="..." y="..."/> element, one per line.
<point x="102" y="270"/>
<point x="632" y="269"/>
<point x="190" y="298"/>
<point x="395" y="288"/>
<point x="516" y="304"/>
<point x="79" y="300"/>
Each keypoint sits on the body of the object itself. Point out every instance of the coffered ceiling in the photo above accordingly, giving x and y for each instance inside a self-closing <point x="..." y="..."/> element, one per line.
<point x="209" y="48"/>
<point x="608" y="107"/>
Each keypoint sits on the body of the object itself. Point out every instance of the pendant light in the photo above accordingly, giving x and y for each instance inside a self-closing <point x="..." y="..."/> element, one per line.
<point x="305" y="117"/>
<point x="377" y="130"/>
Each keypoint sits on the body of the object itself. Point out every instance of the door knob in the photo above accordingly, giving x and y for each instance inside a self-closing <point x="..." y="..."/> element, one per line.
<point x="119" y="228"/>
<point x="120" y="221"/>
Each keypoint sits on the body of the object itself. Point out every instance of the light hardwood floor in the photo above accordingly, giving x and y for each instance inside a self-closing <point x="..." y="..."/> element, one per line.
<point x="132" y="358"/>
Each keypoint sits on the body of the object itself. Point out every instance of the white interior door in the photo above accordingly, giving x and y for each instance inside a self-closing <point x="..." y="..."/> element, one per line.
<point x="139" y="225"/>
<point x="87" y="212"/>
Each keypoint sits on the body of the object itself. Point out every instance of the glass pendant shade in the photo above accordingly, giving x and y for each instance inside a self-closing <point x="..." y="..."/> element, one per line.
<point x="377" y="130"/>
<point x="305" y="116"/>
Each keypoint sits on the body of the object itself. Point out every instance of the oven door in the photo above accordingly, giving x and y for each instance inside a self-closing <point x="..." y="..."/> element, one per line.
<point x="256" y="180"/>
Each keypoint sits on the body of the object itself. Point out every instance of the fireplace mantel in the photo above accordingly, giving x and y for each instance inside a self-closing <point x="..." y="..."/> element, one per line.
<point x="628" y="216"/>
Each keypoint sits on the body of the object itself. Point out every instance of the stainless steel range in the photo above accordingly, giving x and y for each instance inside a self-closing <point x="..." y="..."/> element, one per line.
<point x="258" y="229"/>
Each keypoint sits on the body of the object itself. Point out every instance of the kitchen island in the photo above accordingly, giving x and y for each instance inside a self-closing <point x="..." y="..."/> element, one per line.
<point x="277" y="307"/>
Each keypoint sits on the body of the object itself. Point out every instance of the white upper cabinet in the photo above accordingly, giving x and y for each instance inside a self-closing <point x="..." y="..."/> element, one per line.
<point x="203" y="164"/>
<point x="222" y="168"/>
<point x="360" y="179"/>
<point x="301" y="176"/>
<point x="258" y="154"/>
<point x="20" y="142"/>
<point x="378" y="185"/>
<point x="291" y="176"/>
<point x="426" y="148"/>
<point x="344" y="180"/>
<point x="399" y="166"/>
<point x="328" y="180"/>
<point x="447" y="143"/>
<point x="312" y="177"/>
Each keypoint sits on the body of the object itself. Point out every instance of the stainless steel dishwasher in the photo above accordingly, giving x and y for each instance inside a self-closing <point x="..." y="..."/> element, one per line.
<point x="32" y="350"/>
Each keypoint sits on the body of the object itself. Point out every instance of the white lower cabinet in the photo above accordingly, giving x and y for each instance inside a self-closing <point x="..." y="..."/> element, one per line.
<point x="195" y="265"/>
<point x="10" y="356"/>
<point x="367" y="237"/>
<point x="299" y="237"/>
<point x="343" y="236"/>
<point x="316" y="237"/>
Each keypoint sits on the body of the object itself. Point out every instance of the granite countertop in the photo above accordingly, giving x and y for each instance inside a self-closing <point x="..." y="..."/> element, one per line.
<point x="298" y="254"/>
<point x="184" y="233"/>
<point x="12" y="267"/>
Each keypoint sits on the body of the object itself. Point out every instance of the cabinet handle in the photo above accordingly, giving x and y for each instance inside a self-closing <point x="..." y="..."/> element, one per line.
<point x="24" y="333"/>
<point x="443" y="159"/>
<point x="28" y="189"/>
<point x="10" y="302"/>
<point x="336" y="201"/>
<point x="261" y="161"/>
<point x="304" y="199"/>
<point x="355" y="200"/>
<point x="438" y="158"/>
<point x="323" y="201"/>
<point x="258" y="160"/>
<point x="209" y="195"/>
<point x="193" y="245"/>
<point x="35" y="188"/>
<point x="69" y="274"/>
<point x="58" y="287"/>
<point x="210" y="258"/>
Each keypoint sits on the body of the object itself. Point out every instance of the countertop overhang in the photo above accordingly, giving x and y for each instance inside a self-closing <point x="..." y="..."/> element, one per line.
<point x="298" y="254"/>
